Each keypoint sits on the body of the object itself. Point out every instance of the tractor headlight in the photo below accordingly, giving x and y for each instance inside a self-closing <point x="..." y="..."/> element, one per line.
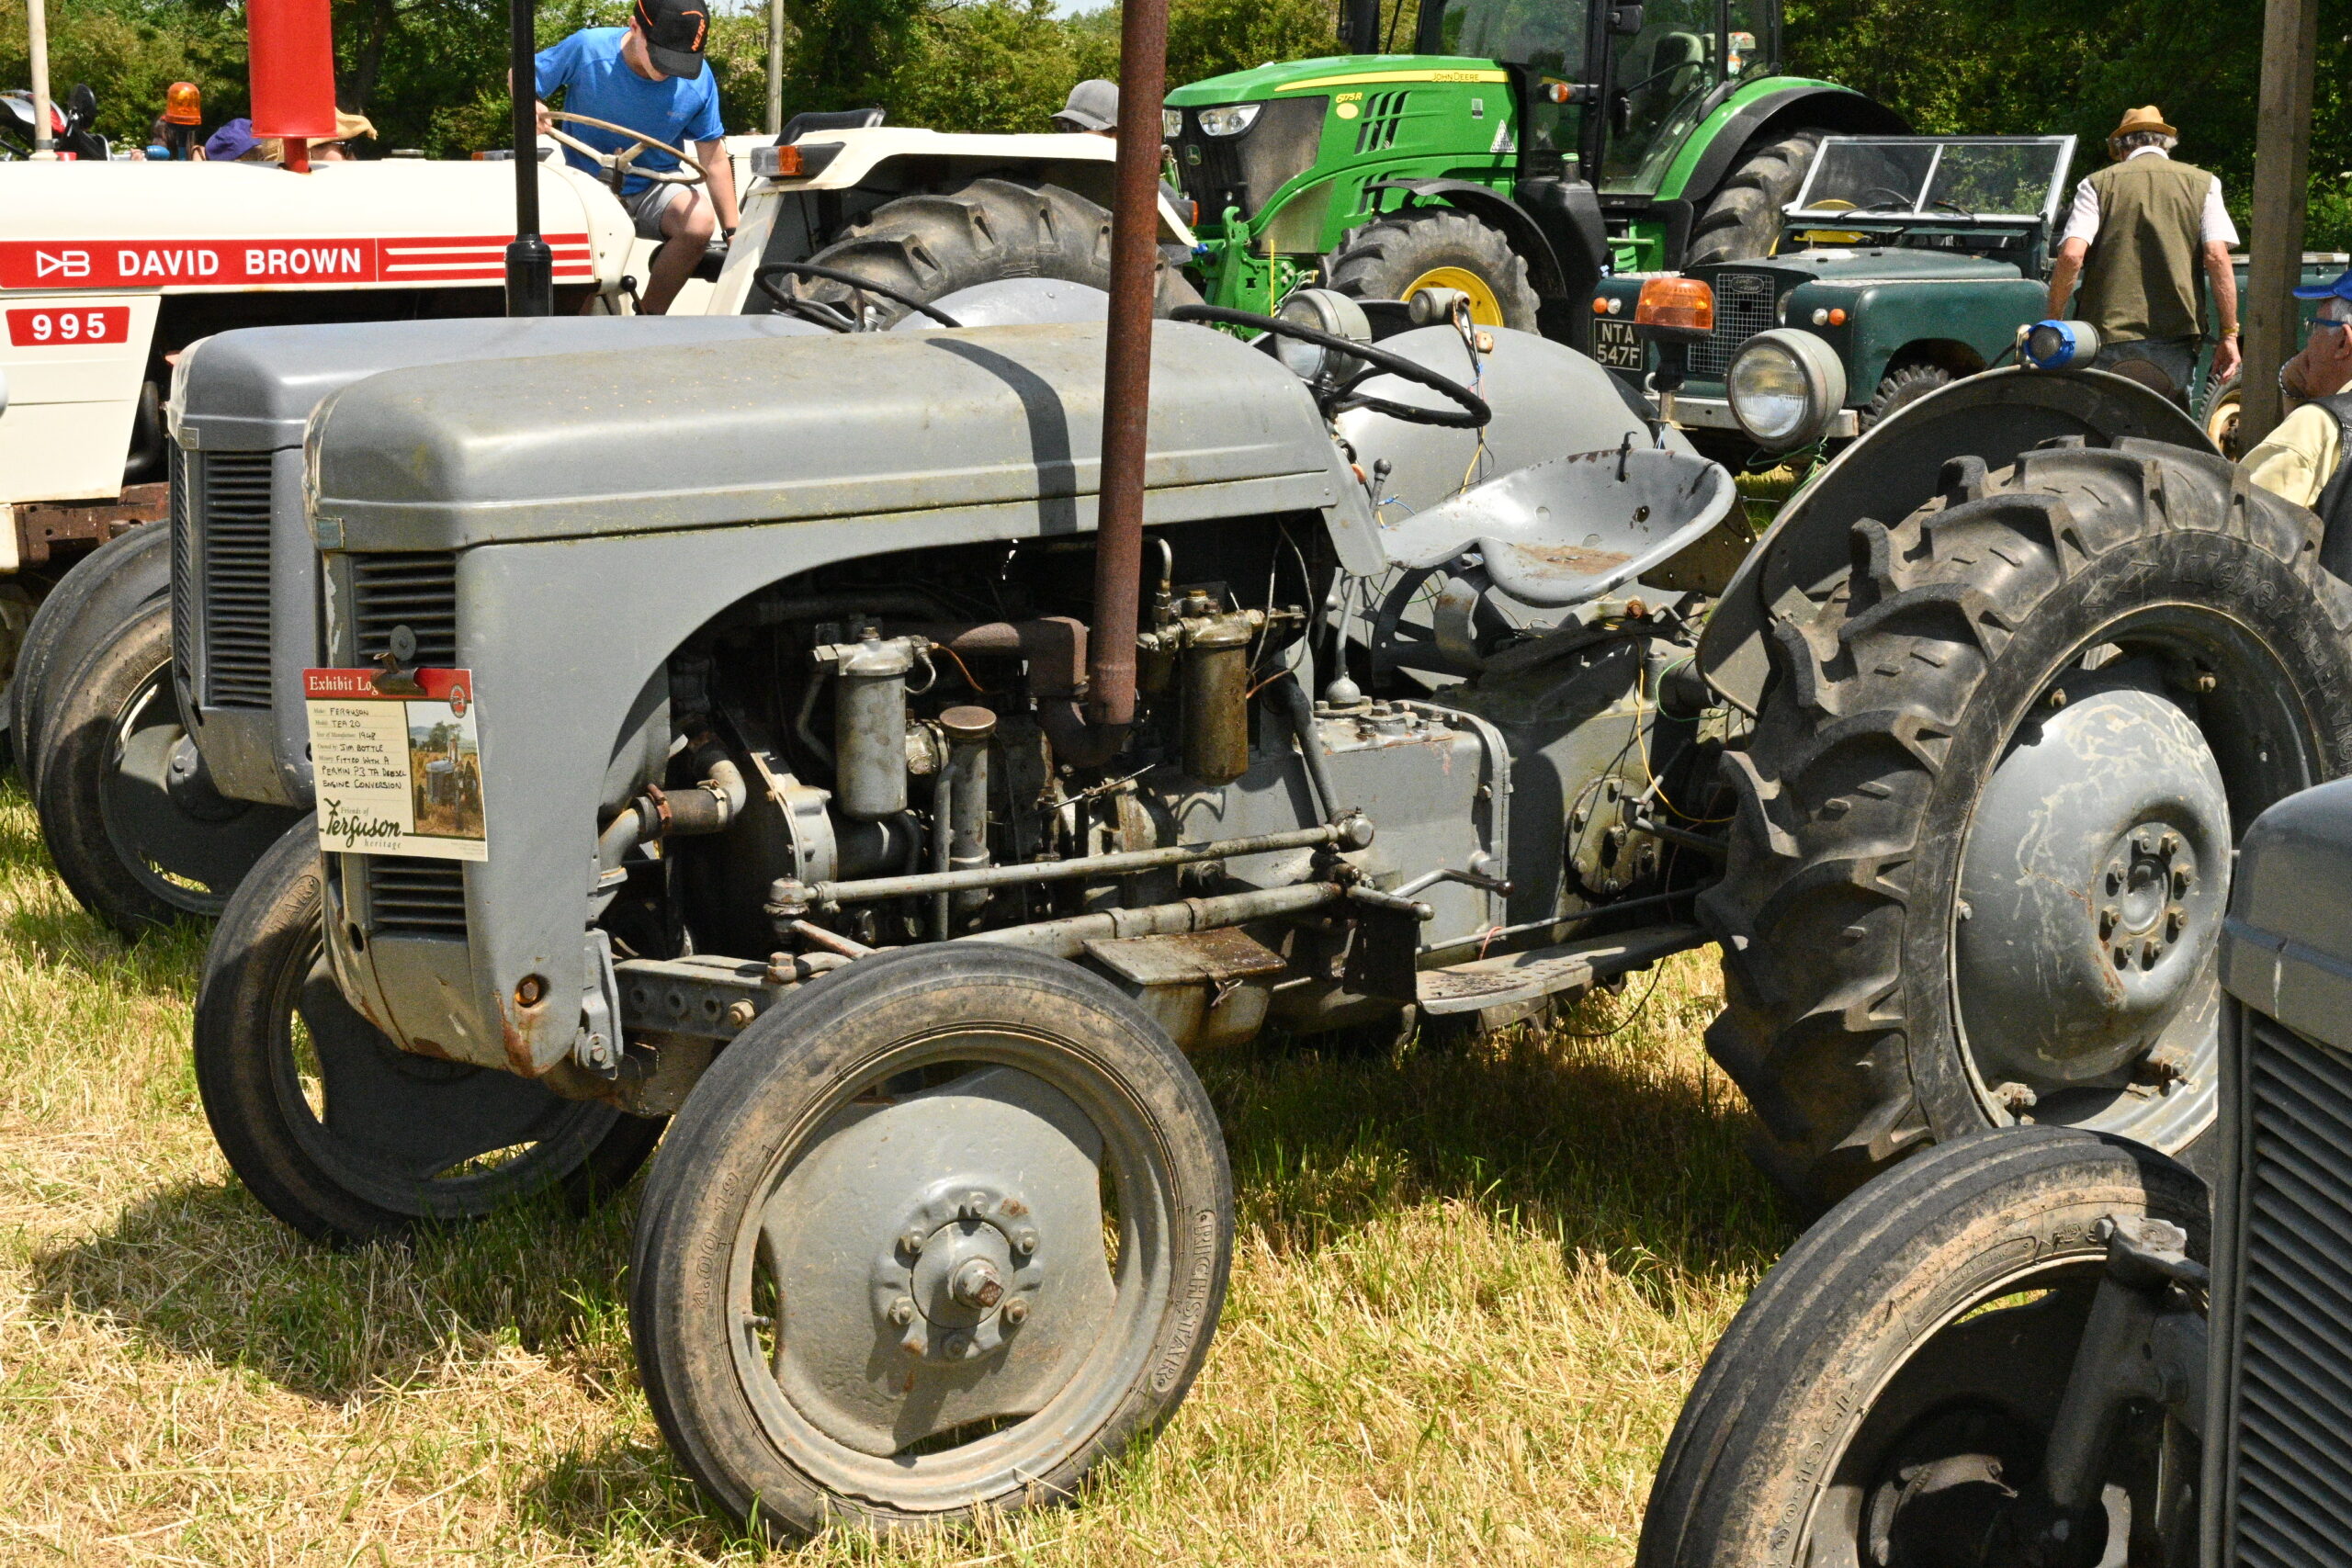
<point x="1785" y="387"/>
<point x="2053" y="345"/>
<point x="1227" y="119"/>
<point x="1171" y="124"/>
<point x="1325" y="312"/>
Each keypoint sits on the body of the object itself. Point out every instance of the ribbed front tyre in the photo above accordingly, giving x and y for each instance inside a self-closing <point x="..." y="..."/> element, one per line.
<point x="1885" y="1397"/>
<point x="1986" y="815"/>
<point x="937" y="1235"/>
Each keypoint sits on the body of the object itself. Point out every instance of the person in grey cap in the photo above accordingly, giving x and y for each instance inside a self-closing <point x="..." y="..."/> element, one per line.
<point x="1092" y="106"/>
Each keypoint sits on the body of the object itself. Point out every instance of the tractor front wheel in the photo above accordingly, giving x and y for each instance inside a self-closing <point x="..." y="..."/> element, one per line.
<point x="1391" y="257"/>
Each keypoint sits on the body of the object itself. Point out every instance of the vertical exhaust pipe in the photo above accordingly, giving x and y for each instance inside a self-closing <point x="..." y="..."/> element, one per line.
<point x="1126" y="370"/>
<point x="530" y="265"/>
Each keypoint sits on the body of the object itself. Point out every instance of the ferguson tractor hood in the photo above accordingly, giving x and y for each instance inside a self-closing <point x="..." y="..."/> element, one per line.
<point x="571" y="447"/>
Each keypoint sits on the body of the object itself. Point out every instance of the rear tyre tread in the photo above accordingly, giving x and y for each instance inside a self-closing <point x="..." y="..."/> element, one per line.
<point x="1853" y="745"/>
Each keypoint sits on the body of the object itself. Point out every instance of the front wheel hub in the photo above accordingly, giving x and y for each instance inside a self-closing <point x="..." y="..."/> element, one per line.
<point x="2092" y="890"/>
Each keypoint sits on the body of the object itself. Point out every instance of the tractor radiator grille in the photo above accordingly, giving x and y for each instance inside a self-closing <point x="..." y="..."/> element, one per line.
<point x="183" y="529"/>
<point x="2294" y="1374"/>
<point x="417" y="590"/>
<point x="1382" y="116"/>
<point x="233" y="569"/>
<point x="1743" y="308"/>
<point x="409" y="894"/>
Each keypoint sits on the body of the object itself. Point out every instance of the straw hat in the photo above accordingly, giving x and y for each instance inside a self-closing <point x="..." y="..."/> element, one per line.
<point x="2147" y="117"/>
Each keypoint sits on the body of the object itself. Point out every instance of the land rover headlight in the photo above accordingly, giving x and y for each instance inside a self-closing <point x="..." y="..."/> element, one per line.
<point x="1328" y="312"/>
<point x="1785" y="387"/>
<point x="1228" y="119"/>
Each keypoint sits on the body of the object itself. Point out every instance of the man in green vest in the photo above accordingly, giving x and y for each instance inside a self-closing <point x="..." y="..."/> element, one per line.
<point x="2138" y="230"/>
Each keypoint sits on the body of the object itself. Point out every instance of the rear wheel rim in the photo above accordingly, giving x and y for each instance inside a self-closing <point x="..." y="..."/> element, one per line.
<point x="873" y="1373"/>
<point x="2259" y="742"/>
<point x="1485" y="307"/>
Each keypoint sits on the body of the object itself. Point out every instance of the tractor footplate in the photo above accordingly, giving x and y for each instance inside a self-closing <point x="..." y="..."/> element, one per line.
<point x="1545" y="971"/>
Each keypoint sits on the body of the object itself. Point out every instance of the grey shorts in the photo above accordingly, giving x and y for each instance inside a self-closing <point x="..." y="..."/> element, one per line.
<point x="2175" y="357"/>
<point x="647" y="206"/>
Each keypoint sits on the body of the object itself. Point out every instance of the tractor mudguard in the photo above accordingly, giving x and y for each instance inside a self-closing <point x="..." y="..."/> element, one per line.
<point x="1893" y="470"/>
<point x="1807" y="107"/>
<point x="1484" y="202"/>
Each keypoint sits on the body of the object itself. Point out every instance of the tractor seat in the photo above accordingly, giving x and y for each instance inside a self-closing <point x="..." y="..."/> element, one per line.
<point x="801" y="124"/>
<point x="1568" y="531"/>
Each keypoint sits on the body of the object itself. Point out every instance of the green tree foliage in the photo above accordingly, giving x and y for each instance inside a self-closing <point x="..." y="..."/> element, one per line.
<point x="2037" y="66"/>
<point x="432" y="73"/>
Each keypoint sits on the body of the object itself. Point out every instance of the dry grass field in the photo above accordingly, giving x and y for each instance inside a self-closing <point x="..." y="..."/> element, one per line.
<point x="1470" y="1293"/>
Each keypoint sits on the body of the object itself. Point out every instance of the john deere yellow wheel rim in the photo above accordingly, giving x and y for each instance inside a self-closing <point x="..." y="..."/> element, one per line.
<point x="1485" y="308"/>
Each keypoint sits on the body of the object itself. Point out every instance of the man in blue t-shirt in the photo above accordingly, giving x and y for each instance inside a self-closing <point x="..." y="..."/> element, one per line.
<point x="650" y="77"/>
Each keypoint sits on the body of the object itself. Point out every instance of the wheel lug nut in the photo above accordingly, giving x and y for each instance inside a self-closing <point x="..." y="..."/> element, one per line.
<point x="2176" y="921"/>
<point x="902" y="1312"/>
<point x="2181" y="877"/>
<point x="1017" y="1310"/>
<point x="2106" y="919"/>
<point x="913" y="1242"/>
<point x="2140" y="840"/>
<point x="2122" y="959"/>
<point x="958" y="1343"/>
<point x="2169" y="845"/>
<point x="2114" y="882"/>
<point x="1024" y="1242"/>
<point x="2148" y="953"/>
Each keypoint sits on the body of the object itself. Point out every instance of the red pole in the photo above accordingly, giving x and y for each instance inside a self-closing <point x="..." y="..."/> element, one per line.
<point x="1126" y="364"/>
<point x="290" y="56"/>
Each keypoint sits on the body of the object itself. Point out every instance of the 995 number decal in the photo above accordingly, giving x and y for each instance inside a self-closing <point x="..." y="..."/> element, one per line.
<point x="53" y="326"/>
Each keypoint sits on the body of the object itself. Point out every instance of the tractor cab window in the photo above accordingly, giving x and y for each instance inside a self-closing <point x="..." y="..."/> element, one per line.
<point x="1546" y="36"/>
<point x="1660" y="79"/>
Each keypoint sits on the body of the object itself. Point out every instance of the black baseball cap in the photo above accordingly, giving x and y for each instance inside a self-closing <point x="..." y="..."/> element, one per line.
<point x="673" y="34"/>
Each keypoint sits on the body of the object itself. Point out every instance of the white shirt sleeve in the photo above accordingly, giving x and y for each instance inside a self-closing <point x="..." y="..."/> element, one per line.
<point x="2082" y="223"/>
<point x="2216" y="226"/>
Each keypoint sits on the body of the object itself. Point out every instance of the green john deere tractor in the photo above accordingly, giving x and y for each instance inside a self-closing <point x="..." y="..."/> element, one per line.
<point x="1516" y="151"/>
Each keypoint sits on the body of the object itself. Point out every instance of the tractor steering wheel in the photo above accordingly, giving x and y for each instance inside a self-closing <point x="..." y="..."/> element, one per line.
<point x="1473" y="414"/>
<point x="618" y="166"/>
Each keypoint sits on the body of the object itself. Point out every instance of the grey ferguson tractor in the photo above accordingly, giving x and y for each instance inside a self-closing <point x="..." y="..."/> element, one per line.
<point x="2057" y="1349"/>
<point x="841" y="797"/>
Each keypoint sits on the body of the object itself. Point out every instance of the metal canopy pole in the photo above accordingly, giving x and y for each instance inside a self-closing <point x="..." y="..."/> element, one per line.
<point x="2281" y="187"/>
<point x="530" y="265"/>
<point x="37" y="26"/>
<point x="1126" y="366"/>
<point x="776" y="67"/>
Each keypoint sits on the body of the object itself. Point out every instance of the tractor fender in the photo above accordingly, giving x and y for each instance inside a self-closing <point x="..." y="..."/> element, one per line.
<point x="1809" y="108"/>
<point x="1526" y="236"/>
<point x="1894" y="469"/>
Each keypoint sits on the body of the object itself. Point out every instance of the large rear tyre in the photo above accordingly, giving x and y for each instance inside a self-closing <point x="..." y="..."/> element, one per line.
<point x="334" y="1129"/>
<point x="1985" y="819"/>
<point x="1742" y="219"/>
<point x="939" y="1235"/>
<point x="103" y="590"/>
<point x="930" y="245"/>
<point x="126" y="805"/>
<point x="1436" y="247"/>
<point x="1885" y="1397"/>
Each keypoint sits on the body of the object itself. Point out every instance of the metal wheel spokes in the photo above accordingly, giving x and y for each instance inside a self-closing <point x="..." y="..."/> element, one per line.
<point x="405" y="1131"/>
<point x="190" y="844"/>
<point x="939" y="1264"/>
<point x="2093" y="887"/>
